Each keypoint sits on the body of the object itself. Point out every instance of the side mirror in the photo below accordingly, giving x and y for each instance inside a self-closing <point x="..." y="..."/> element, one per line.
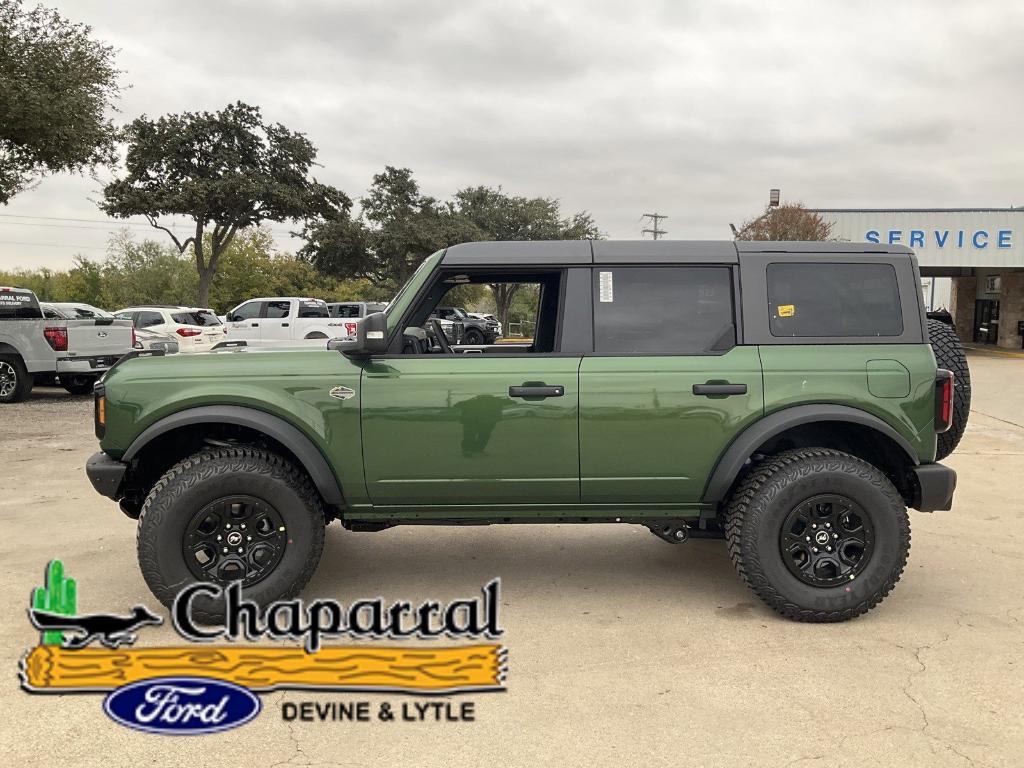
<point x="371" y="338"/>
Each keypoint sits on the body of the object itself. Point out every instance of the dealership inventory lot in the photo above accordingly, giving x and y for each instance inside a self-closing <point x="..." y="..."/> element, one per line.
<point x="622" y="649"/>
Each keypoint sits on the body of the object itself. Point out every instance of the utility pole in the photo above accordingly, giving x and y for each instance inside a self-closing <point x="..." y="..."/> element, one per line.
<point x="654" y="230"/>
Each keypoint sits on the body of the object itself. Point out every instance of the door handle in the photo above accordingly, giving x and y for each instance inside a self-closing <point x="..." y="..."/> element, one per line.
<point x="536" y="391"/>
<point x="284" y="325"/>
<point x="720" y="388"/>
<point x="255" y="325"/>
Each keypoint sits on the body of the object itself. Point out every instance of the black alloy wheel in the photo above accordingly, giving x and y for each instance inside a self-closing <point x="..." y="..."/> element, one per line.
<point x="235" y="538"/>
<point x="826" y="540"/>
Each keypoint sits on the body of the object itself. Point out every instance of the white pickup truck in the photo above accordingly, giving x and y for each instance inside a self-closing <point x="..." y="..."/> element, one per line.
<point x="32" y="347"/>
<point x="282" y="319"/>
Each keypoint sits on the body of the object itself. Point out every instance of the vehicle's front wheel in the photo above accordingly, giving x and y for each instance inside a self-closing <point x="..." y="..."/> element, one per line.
<point x="473" y="336"/>
<point x="819" y="535"/>
<point x="226" y="515"/>
<point x="15" y="381"/>
<point x="78" y="385"/>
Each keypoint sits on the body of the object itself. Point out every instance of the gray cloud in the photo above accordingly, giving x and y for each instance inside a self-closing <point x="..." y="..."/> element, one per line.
<point x="693" y="108"/>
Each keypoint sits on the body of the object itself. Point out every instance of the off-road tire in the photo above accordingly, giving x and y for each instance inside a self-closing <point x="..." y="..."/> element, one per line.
<point x="949" y="354"/>
<point x="215" y="473"/>
<point x="13" y="366"/>
<point x="78" y="385"/>
<point x="473" y="336"/>
<point x="760" y="503"/>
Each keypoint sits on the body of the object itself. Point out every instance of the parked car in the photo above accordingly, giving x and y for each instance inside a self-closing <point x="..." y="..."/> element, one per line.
<point x="195" y="329"/>
<point x="489" y="318"/>
<point x="284" y="318"/>
<point x="75" y="351"/>
<point x="784" y="396"/>
<point x="475" y="330"/>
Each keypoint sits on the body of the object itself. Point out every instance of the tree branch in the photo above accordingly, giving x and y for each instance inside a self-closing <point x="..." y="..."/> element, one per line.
<point x="181" y="245"/>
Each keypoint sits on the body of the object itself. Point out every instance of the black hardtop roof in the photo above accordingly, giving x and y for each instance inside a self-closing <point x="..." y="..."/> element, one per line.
<point x="582" y="252"/>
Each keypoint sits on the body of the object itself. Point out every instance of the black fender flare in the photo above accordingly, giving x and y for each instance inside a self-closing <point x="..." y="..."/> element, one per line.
<point x="309" y="456"/>
<point x="735" y="456"/>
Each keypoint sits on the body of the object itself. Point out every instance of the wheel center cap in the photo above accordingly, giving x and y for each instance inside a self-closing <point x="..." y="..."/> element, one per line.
<point x="234" y="538"/>
<point x="821" y="538"/>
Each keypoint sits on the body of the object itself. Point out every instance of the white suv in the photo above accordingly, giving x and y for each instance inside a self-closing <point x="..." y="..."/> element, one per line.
<point x="195" y="329"/>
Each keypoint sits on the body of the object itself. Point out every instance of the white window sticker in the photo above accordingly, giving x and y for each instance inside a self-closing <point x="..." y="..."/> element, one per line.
<point x="606" y="293"/>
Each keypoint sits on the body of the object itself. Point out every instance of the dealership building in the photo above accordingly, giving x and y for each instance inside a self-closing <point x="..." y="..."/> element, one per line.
<point x="972" y="261"/>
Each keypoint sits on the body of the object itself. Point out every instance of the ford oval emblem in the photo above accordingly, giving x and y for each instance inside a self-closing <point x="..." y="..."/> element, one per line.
<point x="182" y="705"/>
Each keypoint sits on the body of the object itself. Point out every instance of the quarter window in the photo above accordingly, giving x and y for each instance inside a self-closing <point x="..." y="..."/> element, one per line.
<point x="663" y="310"/>
<point x="809" y="300"/>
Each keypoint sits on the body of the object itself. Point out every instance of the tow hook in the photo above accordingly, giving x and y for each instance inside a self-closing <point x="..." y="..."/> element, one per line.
<point x="672" y="531"/>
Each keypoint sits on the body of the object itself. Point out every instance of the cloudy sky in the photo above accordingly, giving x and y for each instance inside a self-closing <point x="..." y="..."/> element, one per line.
<point x="692" y="108"/>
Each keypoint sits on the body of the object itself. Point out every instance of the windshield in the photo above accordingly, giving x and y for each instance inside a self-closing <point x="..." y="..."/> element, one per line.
<point x="405" y="296"/>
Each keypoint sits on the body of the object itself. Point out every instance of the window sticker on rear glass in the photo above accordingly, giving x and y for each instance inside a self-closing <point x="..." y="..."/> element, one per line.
<point x="605" y="290"/>
<point x="786" y="310"/>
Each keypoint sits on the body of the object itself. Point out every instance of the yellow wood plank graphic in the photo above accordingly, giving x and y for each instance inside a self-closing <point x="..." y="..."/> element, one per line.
<point x="427" y="670"/>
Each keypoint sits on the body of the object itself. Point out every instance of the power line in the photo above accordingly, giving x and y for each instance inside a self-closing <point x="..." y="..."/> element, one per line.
<point x="654" y="230"/>
<point x="54" y="245"/>
<point x="111" y="223"/>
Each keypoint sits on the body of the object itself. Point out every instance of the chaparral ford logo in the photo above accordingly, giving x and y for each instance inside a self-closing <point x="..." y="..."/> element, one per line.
<point x="203" y="688"/>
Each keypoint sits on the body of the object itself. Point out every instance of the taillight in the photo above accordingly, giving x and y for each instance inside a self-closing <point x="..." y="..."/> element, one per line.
<point x="186" y="332"/>
<point x="944" y="384"/>
<point x="57" y="338"/>
<point x="350" y="329"/>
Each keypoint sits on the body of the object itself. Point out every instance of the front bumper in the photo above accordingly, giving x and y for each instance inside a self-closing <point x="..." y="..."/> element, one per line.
<point x="106" y="474"/>
<point x="935" y="486"/>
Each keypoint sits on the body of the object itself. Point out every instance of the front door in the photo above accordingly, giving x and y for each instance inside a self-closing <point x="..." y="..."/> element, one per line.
<point x="472" y="430"/>
<point x="667" y="389"/>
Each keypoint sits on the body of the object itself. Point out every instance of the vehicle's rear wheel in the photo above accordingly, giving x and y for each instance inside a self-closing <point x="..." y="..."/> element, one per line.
<point x="15" y="381"/>
<point x="819" y="535"/>
<point x="78" y="385"/>
<point x="473" y="336"/>
<point x="949" y="354"/>
<point x="226" y="515"/>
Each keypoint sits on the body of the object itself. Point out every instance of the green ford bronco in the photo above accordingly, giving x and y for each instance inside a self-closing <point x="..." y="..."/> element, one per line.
<point x="784" y="396"/>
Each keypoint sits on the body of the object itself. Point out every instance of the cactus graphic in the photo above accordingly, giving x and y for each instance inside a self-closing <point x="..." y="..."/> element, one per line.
<point x="57" y="596"/>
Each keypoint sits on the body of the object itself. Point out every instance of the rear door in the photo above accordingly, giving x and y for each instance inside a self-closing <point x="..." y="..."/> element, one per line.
<point x="276" y="323"/>
<point x="667" y="388"/>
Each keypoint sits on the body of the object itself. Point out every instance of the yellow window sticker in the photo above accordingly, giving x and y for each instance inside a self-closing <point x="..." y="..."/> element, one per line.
<point x="786" y="310"/>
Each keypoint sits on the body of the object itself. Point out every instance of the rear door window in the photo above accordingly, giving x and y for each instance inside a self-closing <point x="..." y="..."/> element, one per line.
<point x="663" y="310"/>
<point x="19" y="305"/>
<point x="277" y="309"/>
<point x="828" y="299"/>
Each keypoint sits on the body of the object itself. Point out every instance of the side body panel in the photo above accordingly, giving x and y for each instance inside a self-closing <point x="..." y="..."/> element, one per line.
<point x="870" y="377"/>
<point x="444" y="430"/>
<point x="26" y="338"/>
<point x="646" y="438"/>
<point x="294" y="385"/>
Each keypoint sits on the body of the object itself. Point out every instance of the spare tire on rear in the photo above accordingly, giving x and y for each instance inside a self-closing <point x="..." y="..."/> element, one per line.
<point x="949" y="354"/>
